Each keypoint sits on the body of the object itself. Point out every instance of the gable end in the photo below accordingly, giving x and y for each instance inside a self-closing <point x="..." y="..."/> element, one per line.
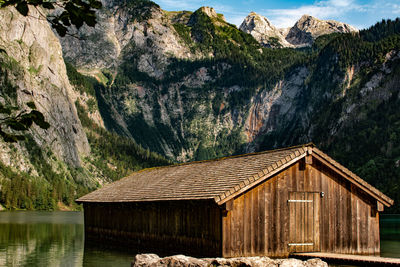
<point x="308" y="151"/>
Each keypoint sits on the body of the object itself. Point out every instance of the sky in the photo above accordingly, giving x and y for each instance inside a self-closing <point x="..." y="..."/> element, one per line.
<point x="359" y="13"/>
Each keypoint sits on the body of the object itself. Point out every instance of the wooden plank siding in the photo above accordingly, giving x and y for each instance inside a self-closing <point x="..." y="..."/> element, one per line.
<point x="260" y="224"/>
<point x="304" y="221"/>
<point x="164" y="227"/>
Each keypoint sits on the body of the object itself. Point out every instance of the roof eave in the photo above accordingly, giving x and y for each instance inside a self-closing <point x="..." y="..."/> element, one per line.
<point x="80" y="200"/>
<point x="352" y="177"/>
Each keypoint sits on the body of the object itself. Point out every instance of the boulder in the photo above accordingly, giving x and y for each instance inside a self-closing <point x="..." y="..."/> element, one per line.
<point x="152" y="260"/>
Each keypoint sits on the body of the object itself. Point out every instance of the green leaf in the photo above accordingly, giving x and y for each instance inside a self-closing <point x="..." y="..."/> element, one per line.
<point x="38" y="118"/>
<point x="48" y="5"/>
<point x="31" y="104"/>
<point x="10" y="2"/>
<point x="43" y="124"/>
<point x="15" y="125"/>
<point x="22" y="8"/>
<point x="96" y="4"/>
<point x="76" y="15"/>
<point x="5" y="110"/>
<point x="35" y="2"/>
<point x="65" y="20"/>
<point x="61" y="30"/>
<point x="27" y="120"/>
<point x="19" y="137"/>
<point x="90" y="20"/>
<point x="10" y="138"/>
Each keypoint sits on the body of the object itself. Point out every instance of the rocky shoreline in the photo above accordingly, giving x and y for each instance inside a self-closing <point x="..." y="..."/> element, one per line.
<point x="153" y="260"/>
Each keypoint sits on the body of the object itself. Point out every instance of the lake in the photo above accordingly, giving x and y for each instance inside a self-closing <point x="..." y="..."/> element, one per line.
<point x="32" y="238"/>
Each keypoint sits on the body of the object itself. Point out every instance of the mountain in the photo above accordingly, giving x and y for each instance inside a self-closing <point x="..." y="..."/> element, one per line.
<point x="144" y="99"/>
<point x="32" y="69"/>
<point x="308" y="28"/>
<point x="52" y="167"/>
<point x="302" y="34"/>
<point x="40" y="77"/>
<point x="190" y="86"/>
<point x="264" y="32"/>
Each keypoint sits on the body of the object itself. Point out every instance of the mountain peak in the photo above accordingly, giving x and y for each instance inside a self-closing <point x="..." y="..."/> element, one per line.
<point x="307" y="17"/>
<point x="256" y="21"/>
<point x="262" y="30"/>
<point x="303" y="33"/>
<point x="307" y="21"/>
<point x="209" y="11"/>
<point x="308" y="28"/>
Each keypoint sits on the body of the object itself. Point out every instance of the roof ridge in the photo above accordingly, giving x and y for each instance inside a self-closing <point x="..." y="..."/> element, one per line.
<point x="225" y="158"/>
<point x="264" y="173"/>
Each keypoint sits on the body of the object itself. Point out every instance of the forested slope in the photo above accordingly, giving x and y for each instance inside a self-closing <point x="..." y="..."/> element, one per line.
<point x="190" y="86"/>
<point x="354" y="89"/>
<point x="229" y="95"/>
<point x="52" y="167"/>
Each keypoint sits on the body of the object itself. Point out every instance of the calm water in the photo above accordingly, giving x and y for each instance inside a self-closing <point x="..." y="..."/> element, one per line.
<point x="390" y="235"/>
<point x="50" y="239"/>
<point x="57" y="239"/>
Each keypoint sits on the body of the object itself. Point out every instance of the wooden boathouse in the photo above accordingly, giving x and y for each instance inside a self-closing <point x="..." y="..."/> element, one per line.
<point x="271" y="203"/>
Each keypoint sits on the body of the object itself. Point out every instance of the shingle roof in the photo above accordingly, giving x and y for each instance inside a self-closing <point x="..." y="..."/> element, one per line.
<point x="211" y="179"/>
<point x="219" y="179"/>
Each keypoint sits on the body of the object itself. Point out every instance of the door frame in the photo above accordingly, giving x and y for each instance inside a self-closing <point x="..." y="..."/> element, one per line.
<point x="304" y="221"/>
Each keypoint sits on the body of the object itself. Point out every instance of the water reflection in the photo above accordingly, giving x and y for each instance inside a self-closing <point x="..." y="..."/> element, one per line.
<point x="51" y="239"/>
<point x="390" y="235"/>
<point x="41" y="239"/>
<point x="57" y="239"/>
<point x="95" y="256"/>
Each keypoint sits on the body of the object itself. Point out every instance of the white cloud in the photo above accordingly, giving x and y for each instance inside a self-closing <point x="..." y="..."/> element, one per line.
<point x="395" y="8"/>
<point x="340" y="3"/>
<point x="321" y="9"/>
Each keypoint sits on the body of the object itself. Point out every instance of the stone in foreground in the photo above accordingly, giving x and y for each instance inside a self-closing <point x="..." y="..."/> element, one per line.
<point x="153" y="260"/>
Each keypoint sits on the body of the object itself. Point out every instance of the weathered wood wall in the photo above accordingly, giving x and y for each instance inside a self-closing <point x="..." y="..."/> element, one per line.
<point x="164" y="227"/>
<point x="258" y="221"/>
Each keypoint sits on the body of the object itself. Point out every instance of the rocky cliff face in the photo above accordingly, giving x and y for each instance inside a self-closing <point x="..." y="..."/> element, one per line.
<point x="303" y="33"/>
<point x="159" y="67"/>
<point x="38" y="74"/>
<point x="175" y="91"/>
<point x="123" y="26"/>
<point x="308" y="28"/>
<point x="269" y="109"/>
<point x="263" y="31"/>
<point x="149" y="45"/>
<point x="52" y="167"/>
